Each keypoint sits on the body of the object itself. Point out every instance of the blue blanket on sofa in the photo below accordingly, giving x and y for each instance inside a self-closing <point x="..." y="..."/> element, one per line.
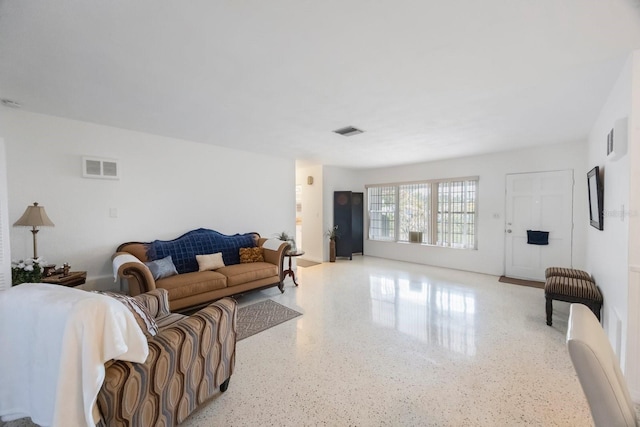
<point x="202" y="241"/>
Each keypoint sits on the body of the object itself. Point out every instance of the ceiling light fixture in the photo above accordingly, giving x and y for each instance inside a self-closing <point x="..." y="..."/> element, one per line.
<point x="348" y="131"/>
<point x="11" y="104"/>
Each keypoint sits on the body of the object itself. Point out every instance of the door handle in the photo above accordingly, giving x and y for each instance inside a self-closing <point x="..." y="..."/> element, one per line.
<point x="508" y="231"/>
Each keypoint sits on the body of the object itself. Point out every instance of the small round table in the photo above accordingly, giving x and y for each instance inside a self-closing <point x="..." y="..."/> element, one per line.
<point x="290" y="272"/>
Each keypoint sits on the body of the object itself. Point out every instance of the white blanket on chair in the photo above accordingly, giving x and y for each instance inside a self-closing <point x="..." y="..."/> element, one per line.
<point x="119" y="260"/>
<point x="54" y="342"/>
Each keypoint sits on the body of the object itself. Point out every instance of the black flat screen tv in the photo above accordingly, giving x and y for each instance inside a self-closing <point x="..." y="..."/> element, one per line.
<point x="596" y="195"/>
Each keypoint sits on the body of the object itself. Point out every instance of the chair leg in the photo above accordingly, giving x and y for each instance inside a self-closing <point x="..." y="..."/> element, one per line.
<point x="549" y="308"/>
<point x="225" y="385"/>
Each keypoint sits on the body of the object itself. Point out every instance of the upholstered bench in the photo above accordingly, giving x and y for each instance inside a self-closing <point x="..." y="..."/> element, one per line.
<point x="573" y="286"/>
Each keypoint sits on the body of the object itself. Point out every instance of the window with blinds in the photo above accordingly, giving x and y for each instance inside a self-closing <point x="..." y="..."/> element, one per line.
<point x="456" y="217"/>
<point x="435" y="212"/>
<point x="382" y="213"/>
<point x="414" y="212"/>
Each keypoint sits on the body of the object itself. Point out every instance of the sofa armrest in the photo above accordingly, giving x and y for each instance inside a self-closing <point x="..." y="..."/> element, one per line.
<point x="188" y="362"/>
<point x="138" y="276"/>
<point x="275" y="257"/>
<point x="156" y="301"/>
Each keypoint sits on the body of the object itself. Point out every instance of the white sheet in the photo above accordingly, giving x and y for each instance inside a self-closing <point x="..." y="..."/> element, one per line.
<point x="54" y="341"/>
<point x="122" y="259"/>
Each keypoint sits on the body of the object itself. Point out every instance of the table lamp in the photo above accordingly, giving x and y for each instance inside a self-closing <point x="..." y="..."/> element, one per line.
<point x="34" y="217"/>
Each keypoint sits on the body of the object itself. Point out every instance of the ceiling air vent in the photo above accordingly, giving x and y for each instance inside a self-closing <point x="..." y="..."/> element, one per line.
<point x="348" y="131"/>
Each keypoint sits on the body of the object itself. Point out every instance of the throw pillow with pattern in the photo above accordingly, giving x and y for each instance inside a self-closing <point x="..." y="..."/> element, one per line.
<point x="251" y="255"/>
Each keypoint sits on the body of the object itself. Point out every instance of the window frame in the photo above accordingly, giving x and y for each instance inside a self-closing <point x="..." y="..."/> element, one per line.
<point x="431" y="228"/>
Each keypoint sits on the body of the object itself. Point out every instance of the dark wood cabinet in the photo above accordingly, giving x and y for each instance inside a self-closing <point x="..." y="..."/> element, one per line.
<point x="348" y="215"/>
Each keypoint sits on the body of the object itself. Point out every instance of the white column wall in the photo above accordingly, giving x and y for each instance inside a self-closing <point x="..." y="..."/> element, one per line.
<point x="5" y="247"/>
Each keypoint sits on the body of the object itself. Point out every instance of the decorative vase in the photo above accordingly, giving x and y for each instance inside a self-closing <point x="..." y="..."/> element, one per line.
<point x="332" y="250"/>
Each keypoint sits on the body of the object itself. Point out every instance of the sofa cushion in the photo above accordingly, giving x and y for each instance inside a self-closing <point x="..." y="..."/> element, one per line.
<point x="251" y="255"/>
<point x="210" y="262"/>
<point x="239" y="274"/>
<point x="189" y="284"/>
<point x="184" y="249"/>
<point x="161" y="268"/>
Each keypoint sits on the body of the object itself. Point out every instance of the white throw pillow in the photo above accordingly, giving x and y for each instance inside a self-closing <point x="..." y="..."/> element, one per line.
<point x="210" y="262"/>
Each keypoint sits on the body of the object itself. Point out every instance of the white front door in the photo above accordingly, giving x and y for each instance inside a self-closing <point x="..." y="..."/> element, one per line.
<point x="541" y="201"/>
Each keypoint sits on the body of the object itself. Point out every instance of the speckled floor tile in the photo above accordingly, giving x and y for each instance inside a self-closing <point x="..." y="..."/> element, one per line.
<point x="386" y="343"/>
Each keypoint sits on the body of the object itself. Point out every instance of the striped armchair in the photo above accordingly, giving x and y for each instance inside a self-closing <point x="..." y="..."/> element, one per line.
<point x="189" y="359"/>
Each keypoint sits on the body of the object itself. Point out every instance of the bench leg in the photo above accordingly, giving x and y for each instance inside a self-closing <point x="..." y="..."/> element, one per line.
<point x="596" y="307"/>
<point x="549" y="310"/>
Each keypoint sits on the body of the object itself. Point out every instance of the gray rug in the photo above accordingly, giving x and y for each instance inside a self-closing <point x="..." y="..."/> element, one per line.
<point x="305" y="263"/>
<point x="521" y="282"/>
<point x="261" y="316"/>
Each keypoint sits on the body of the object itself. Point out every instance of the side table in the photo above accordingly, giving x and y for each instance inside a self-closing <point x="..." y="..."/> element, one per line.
<point x="290" y="272"/>
<point x="74" y="278"/>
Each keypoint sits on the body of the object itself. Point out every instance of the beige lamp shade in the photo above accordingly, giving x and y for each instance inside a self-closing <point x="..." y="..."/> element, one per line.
<point x="34" y="217"/>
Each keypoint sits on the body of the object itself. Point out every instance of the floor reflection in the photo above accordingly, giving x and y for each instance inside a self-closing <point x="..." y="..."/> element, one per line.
<point x="438" y="315"/>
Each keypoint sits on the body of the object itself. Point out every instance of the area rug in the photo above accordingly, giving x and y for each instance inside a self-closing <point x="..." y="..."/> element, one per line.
<point x="521" y="282"/>
<point x="305" y="263"/>
<point x="261" y="316"/>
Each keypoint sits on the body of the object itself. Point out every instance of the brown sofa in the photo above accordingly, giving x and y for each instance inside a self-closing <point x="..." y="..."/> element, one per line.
<point x="190" y="359"/>
<point x="192" y="288"/>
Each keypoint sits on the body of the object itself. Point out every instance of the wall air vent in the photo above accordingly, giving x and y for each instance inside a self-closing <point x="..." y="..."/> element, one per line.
<point x="348" y="131"/>
<point x="96" y="167"/>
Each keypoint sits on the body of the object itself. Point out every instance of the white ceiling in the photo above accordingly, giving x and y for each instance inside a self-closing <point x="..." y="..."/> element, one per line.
<point x="425" y="79"/>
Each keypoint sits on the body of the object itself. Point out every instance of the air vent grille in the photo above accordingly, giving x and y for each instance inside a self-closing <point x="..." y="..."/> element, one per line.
<point x="348" y="131"/>
<point x="95" y="167"/>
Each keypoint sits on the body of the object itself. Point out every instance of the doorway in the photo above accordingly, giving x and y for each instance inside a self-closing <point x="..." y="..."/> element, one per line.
<point x="539" y="201"/>
<point x="299" y="216"/>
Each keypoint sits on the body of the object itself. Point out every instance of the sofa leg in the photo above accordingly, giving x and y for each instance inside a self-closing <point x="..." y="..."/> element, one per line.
<point x="281" y="287"/>
<point x="225" y="385"/>
<point x="549" y="310"/>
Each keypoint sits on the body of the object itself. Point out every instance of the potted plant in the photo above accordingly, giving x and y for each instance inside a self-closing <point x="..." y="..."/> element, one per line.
<point x="332" y="234"/>
<point x="284" y="236"/>
<point x="27" y="271"/>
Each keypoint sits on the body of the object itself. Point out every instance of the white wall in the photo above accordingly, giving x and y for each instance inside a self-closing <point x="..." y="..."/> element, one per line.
<point x="5" y="247"/>
<point x="167" y="187"/>
<point x="632" y="336"/>
<point x="607" y="250"/>
<point x="614" y="254"/>
<point x="492" y="169"/>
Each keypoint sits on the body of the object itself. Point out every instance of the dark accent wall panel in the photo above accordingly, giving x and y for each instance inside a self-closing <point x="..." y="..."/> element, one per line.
<point x="348" y="213"/>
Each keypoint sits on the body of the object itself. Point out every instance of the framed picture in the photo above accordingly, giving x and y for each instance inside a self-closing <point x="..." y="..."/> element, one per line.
<point x="596" y="194"/>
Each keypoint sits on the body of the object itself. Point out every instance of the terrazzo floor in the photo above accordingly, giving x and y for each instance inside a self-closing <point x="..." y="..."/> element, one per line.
<point x="387" y="343"/>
